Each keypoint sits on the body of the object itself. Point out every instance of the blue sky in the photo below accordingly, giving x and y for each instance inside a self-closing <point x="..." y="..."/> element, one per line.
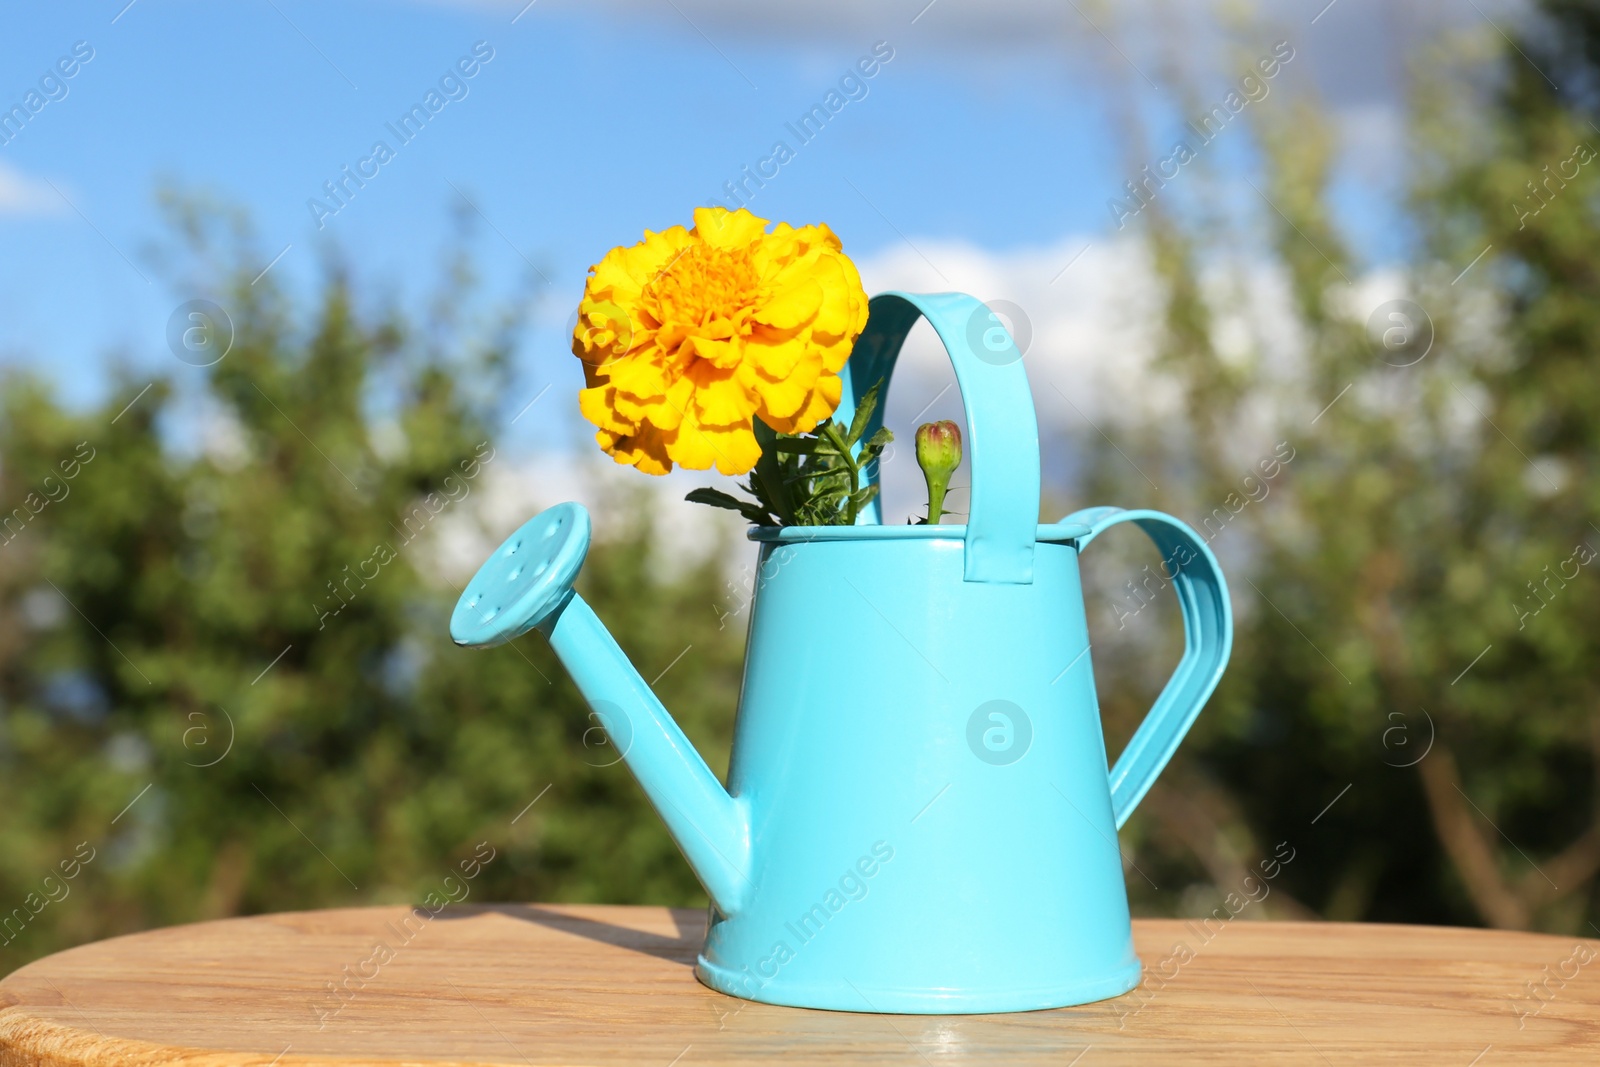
<point x="589" y="124"/>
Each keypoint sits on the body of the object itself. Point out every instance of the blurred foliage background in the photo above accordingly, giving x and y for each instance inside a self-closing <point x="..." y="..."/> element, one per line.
<point x="202" y="682"/>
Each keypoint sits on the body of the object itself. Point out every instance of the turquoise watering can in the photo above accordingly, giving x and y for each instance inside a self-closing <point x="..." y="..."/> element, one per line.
<point x="932" y="828"/>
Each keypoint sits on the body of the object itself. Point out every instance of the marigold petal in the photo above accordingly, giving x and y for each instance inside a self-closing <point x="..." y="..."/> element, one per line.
<point x="724" y="354"/>
<point x="721" y="228"/>
<point x="783" y="397"/>
<point x="720" y="398"/>
<point x="667" y="414"/>
<point x="775" y="251"/>
<point x="688" y="445"/>
<point x="835" y="315"/>
<point x="599" y="407"/>
<point x="645" y="450"/>
<point x="820" y="404"/>
<point x="689" y="335"/>
<point x="791" y="306"/>
<point x="634" y="409"/>
<point x="670" y="337"/>
<point x="774" y="357"/>
<point x="638" y="376"/>
<point x="736" y="448"/>
<point x="836" y="355"/>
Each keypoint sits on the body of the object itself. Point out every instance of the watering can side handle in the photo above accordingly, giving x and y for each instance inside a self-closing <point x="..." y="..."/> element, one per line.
<point x="1208" y="639"/>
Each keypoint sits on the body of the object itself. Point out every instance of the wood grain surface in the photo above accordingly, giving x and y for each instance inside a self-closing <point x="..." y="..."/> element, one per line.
<point x="537" y="985"/>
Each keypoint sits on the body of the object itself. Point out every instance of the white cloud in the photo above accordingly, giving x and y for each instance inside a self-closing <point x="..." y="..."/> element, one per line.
<point x="1374" y="143"/>
<point x="1088" y="360"/>
<point x="1093" y="306"/>
<point x="1090" y="322"/>
<point x="513" y="489"/>
<point x="1095" y="334"/>
<point x="1359" y="47"/>
<point x="23" y="195"/>
<point x="1000" y="21"/>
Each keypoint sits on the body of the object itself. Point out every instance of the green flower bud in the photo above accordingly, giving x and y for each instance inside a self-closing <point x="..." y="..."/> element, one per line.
<point x="938" y="454"/>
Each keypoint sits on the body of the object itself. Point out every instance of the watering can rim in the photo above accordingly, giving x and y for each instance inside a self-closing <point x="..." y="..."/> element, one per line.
<point x="1052" y="532"/>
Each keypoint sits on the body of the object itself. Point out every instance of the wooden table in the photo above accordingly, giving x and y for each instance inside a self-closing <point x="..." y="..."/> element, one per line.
<point x="526" y="984"/>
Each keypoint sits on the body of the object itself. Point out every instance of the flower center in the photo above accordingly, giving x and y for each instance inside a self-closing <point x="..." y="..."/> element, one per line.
<point x="703" y="284"/>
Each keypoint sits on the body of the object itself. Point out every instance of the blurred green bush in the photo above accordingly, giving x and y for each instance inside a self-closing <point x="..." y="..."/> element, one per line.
<point x="235" y="639"/>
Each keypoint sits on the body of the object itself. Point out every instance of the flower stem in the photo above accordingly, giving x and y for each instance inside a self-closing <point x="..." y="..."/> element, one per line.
<point x="936" y="490"/>
<point x="831" y="431"/>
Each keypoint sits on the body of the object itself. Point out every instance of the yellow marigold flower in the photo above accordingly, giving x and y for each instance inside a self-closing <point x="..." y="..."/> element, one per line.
<point x="690" y="335"/>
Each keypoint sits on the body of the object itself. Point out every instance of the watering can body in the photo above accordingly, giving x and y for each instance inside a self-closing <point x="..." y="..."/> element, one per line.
<point x="933" y="818"/>
<point x="919" y="814"/>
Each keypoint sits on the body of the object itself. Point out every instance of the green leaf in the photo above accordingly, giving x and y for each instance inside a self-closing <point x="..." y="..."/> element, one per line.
<point x="808" y="479"/>
<point x="864" y="409"/>
<point x="768" y="476"/>
<point x="718" y="499"/>
<point x="715" y="497"/>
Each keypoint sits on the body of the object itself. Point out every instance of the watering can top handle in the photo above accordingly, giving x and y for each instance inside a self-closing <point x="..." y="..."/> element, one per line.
<point x="1002" y="431"/>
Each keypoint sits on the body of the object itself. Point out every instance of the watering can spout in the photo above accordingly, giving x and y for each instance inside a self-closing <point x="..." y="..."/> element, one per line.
<point x="527" y="583"/>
